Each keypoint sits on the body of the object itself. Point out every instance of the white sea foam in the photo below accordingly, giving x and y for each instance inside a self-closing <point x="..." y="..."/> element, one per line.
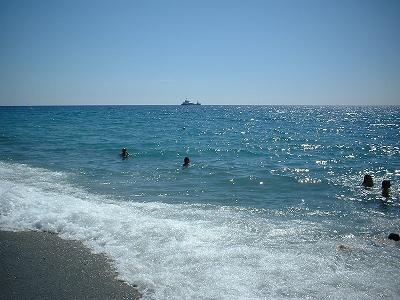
<point x="199" y="251"/>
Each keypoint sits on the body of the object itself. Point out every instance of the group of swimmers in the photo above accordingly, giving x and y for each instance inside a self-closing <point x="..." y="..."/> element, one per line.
<point x="368" y="182"/>
<point x="124" y="154"/>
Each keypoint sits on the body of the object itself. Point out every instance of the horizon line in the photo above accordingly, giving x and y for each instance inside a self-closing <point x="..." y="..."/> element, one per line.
<point x="70" y="105"/>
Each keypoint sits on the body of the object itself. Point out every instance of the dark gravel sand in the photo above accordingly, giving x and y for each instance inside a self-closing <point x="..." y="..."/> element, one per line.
<point x="39" y="265"/>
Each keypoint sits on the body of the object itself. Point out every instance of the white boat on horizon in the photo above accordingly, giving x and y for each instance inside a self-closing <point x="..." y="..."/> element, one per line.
<point x="187" y="102"/>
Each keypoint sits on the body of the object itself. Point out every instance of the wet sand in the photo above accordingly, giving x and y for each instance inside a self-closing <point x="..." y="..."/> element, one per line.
<point x="38" y="265"/>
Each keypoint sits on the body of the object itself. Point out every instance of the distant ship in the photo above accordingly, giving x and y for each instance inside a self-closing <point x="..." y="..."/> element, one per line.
<point x="187" y="102"/>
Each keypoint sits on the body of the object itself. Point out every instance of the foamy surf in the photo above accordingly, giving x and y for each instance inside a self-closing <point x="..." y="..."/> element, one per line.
<point x="198" y="251"/>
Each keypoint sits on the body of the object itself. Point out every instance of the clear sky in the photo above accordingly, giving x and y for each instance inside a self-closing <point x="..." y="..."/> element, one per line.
<point x="216" y="52"/>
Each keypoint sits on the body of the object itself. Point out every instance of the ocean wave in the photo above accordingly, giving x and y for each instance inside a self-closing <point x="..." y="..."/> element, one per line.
<point x="199" y="251"/>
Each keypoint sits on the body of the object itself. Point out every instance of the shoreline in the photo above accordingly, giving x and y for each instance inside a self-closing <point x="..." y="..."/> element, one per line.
<point x="37" y="265"/>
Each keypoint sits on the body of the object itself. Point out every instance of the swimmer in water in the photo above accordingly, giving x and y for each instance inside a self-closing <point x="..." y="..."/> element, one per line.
<point x="186" y="162"/>
<point x="124" y="153"/>
<point x="386" y="188"/>
<point x="368" y="181"/>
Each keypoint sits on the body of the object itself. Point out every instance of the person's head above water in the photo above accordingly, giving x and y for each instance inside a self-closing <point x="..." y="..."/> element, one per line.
<point x="386" y="188"/>
<point x="386" y="184"/>
<point x="368" y="181"/>
<point x="124" y="152"/>
<point x="186" y="161"/>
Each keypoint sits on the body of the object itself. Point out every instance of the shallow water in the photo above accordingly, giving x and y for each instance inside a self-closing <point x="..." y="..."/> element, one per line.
<point x="270" y="194"/>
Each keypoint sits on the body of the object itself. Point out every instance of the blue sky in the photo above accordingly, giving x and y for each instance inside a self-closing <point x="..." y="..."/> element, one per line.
<point x="311" y="52"/>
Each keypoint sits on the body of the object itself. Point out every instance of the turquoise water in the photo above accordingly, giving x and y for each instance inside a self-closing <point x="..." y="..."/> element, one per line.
<point x="270" y="193"/>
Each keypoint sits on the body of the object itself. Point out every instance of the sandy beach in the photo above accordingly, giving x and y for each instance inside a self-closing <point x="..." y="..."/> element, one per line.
<point x="38" y="265"/>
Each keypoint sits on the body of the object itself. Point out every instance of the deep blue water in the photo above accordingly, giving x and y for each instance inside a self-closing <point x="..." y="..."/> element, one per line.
<point x="267" y="184"/>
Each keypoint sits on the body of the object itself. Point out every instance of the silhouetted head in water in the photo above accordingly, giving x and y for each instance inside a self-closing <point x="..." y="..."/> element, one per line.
<point x="385" y="188"/>
<point x="394" y="237"/>
<point x="186" y="161"/>
<point x="368" y="181"/>
<point x="386" y="184"/>
<point x="124" y="153"/>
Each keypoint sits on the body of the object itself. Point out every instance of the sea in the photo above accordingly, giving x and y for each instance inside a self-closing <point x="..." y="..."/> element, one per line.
<point x="271" y="206"/>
